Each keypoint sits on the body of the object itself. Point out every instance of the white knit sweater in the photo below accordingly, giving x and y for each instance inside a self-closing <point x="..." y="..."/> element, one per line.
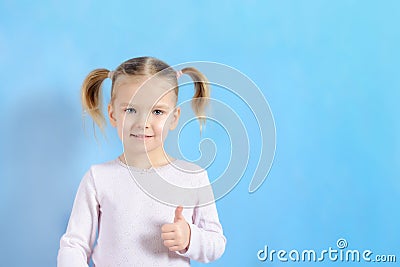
<point x="126" y="222"/>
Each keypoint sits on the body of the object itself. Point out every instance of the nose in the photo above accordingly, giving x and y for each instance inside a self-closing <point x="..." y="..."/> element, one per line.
<point x="142" y="121"/>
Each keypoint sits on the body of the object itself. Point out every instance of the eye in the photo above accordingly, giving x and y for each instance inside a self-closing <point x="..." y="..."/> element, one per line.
<point x="158" y="112"/>
<point x="130" y="110"/>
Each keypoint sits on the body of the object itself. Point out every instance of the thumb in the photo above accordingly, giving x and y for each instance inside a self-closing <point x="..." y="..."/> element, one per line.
<point x="178" y="214"/>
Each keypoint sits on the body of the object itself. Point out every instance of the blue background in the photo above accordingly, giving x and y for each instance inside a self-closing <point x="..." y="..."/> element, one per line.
<point x="329" y="69"/>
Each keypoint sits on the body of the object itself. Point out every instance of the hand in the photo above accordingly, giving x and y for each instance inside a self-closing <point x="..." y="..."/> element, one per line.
<point x="176" y="235"/>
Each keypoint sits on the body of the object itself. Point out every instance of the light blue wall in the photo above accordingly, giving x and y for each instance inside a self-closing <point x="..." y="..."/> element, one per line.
<point x="329" y="70"/>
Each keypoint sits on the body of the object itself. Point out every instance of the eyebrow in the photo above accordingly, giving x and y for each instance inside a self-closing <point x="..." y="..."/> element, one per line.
<point x="125" y="104"/>
<point x="164" y="106"/>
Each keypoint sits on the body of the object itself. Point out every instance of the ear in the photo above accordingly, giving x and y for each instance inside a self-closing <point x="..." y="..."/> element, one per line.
<point x="175" y="120"/>
<point x="111" y="116"/>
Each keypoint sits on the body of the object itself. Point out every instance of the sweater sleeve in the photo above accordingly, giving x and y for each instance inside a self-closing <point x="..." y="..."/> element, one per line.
<point x="207" y="242"/>
<point x="77" y="243"/>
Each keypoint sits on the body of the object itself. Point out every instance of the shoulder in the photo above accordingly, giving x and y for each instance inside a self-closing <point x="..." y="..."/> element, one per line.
<point x="102" y="176"/>
<point x="101" y="171"/>
<point x="193" y="170"/>
<point x="188" y="166"/>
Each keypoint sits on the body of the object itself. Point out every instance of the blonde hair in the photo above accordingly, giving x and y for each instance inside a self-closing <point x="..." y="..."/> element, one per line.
<point x="91" y="91"/>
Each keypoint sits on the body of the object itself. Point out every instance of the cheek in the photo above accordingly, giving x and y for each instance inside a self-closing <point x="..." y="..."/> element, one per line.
<point x="161" y="126"/>
<point x="123" y="125"/>
<point x="119" y="129"/>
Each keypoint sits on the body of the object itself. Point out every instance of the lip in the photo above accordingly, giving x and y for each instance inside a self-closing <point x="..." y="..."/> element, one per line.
<point x="141" y="136"/>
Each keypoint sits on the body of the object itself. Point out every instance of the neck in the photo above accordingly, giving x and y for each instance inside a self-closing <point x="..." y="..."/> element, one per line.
<point x="146" y="160"/>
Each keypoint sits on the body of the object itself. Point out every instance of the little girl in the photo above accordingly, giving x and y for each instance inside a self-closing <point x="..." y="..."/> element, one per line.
<point x="131" y="227"/>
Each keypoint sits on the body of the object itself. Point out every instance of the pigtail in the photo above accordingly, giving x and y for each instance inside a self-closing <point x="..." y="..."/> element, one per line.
<point x="91" y="96"/>
<point x="202" y="93"/>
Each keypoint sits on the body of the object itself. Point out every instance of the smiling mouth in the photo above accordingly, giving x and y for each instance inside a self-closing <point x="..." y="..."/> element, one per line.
<point x="141" y="136"/>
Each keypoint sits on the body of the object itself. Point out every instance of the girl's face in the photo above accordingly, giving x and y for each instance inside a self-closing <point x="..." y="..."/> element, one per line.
<point x="143" y="112"/>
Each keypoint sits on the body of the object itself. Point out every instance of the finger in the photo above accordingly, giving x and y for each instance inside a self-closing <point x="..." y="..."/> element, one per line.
<point x="170" y="243"/>
<point x="178" y="214"/>
<point x="168" y="236"/>
<point x="174" y="248"/>
<point x="168" y="227"/>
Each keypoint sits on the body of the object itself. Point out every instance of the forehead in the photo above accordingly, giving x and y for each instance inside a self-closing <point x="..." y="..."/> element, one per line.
<point x="143" y="90"/>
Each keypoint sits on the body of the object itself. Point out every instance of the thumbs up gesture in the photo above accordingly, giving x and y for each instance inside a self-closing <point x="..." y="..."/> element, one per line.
<point x="176" y="235"/>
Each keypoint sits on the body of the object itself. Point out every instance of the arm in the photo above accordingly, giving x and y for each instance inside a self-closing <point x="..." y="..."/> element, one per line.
<point x="207" y="242"/>
<point x="76" y="244"/>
